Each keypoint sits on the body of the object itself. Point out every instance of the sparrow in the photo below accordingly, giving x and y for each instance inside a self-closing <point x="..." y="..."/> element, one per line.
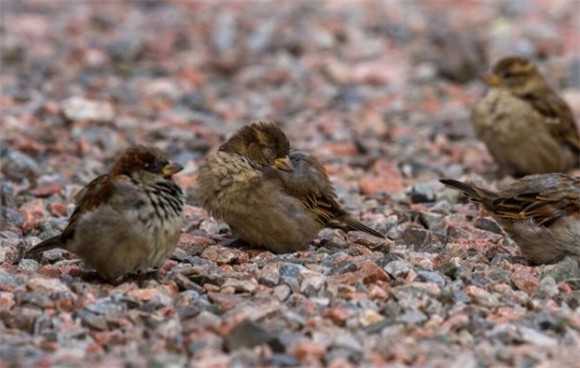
<point x="127" y="220"/>
<point x="526" y="126"/>
<point x="271" y="198"/>
<point x="540" y="212"/>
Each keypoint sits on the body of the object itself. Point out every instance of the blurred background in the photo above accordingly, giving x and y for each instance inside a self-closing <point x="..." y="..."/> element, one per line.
<point x="380" y="91"/>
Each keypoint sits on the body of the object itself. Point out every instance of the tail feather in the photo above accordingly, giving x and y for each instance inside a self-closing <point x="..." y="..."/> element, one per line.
<point x="349" y="224"/>
<point x="474" y="193"/>
<point x="48" y="244"/>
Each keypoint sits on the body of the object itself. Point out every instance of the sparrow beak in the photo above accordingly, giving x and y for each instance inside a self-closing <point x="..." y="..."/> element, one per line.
<point x="171" y="169"/>
<point x="283" y="164"/>
<point x="491" y="80"/>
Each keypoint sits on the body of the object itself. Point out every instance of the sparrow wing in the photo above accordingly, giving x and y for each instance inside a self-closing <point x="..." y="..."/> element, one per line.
<point x="558" y="115"/>
<point x="87" y="199"/>
<point x="91" y="196"/>
<point x="541" y="198"/>
<point x="311" y="185"/>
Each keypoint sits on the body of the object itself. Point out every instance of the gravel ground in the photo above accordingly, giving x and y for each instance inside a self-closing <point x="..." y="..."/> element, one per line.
<point x="380" y="92"/>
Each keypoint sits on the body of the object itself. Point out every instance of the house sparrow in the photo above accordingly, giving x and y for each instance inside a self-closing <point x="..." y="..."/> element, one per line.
<point x="527" y="127"/>
<point x="126" y="220"/>
<point x="541" y="213"/>
<point x="270" y="198"/>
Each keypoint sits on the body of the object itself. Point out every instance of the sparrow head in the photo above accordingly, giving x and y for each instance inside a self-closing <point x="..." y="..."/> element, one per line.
<point x="262" y="143"/>
<point x="306" y="165"/>
<point x="145" y="162"/>
<point x="516" y="74"/>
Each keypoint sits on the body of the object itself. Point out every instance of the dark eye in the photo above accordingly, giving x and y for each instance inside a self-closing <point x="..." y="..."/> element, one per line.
<point x="268" y="152"/>
<point x="155" y="166"/>
<point x="507" y="74"/>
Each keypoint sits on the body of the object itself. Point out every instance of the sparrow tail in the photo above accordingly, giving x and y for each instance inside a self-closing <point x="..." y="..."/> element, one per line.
<point x="347" y="223"/>
<point x="480" y="195"/>
<point x="51" y="243"/>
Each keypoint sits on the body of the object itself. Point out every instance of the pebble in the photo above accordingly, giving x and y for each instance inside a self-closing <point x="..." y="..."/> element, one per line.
<point x="430" y="276"/>
<point x="547" y="288"/>
<point x="28" y="265"/>
<point x="82" y="109"/>
<point x="51" y="286"/>
<point x="269" y="275"/>
<point x="311" y="282"/>
<point x="398" y="269"/>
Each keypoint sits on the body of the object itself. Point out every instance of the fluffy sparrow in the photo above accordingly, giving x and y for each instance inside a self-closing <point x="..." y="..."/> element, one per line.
<point x="526" y="126"/>
<point x="541" y="213"/>
<point x="270" y="198"/>
<point x="126" y="220"/>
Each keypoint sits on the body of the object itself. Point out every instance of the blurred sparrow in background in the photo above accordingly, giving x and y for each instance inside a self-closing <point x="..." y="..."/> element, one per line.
<point x="126" y="220"/>
<point x="526" y="126"/>
<point x="541" y="213"/>
<point x="269" y="197"/>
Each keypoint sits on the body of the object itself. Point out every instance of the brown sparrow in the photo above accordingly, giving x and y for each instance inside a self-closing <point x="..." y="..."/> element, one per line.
<point x="541" y="213"/>
<point x="527" y="127"/>
<point x="270" y="198"/>
<point x="126" y="220"/>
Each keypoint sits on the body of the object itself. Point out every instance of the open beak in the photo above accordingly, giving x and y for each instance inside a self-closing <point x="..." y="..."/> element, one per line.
<point x="491" y="80"/>
<point x="171" y="169"/>
<point x="283" y="164"/>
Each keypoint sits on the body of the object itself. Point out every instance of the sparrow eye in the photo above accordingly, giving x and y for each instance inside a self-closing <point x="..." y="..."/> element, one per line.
<point x="155" y="167"/>
<point x="507" y="75"/>
<point x="268" y="152"/>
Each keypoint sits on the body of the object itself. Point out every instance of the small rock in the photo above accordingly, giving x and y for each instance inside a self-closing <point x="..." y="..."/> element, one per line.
<point x="368" y="240"/>
<point x="430" y="276"/>
<point x="93" y="321"/>
<point x="220" y="254"/>
<point x="433" y="221"/>
<point x="451" y="269"/>
<point x="241" y="286"/>
<point x="248" y="334"/>
<point x="413" y="317"/>
<point x="82" y="109"/>
<point x="368" y="272"/>
<point x="269" y="275"/>
<point x="47" y="190"/>
<point x="563" y="270"/>
<point x="57" y="209"/>
<point x="525" y="282"/>
<point x="308" y="351"/>
<point x="10" y="217"/>
<point x="388" y="179"/>
<point x="8" y="281"/>
<point x="424" y="192"/>
<point x="547" y="288"/>
<point x="398" y="269"/>
<point x="415" y="237"/>
<point x="226" y="301"/>
<point x="144" y="294"/>
<point x="6" y="300"/>
<point x="369" y="317"/>
<point x="488" y="224"/>
<point x="332" y="239"/>
<point x="281" y="292"/>
<point x="311" y="282"/>
<point x="289" y="274"/>
<point x="282" y="360"/>
<point x="52" y="286"/>
<point x="28" y="265"/>
<point x="481" y="296"/>
<point x="537" y="338"/>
